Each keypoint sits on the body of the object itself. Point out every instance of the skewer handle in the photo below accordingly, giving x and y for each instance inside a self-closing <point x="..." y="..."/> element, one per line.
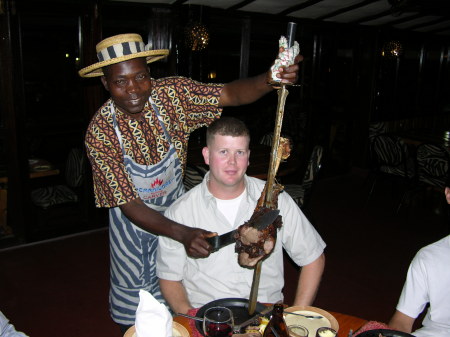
<point x="290" y="35"/>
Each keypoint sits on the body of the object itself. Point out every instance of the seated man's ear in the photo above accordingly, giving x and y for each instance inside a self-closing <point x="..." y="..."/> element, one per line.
<point x="205" y="153"/>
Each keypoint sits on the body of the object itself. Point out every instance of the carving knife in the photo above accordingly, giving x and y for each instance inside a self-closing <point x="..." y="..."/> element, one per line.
<point x="237" y="328"/>
<point x="260" y="223"/>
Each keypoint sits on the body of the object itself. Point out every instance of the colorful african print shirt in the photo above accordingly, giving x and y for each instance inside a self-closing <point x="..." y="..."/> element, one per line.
<point x="184" y="105"/>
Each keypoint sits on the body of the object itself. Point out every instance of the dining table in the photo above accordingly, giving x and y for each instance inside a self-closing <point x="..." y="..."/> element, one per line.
<point x="346" y="322"/>
<point x="419" y="136"/>
<point x="38" y="168"/>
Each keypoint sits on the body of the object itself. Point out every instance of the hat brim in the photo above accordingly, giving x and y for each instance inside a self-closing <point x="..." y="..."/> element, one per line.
<point x="95" y="69"/>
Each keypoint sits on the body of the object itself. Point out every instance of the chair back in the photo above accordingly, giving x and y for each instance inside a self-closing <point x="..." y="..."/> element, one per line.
<point x="433" y="164"/>
<point x="314" y="164"/>
<point x="267" y="139"/>
<point x="75" y="167"/>
<point x="376" y="129"/>
<point x="301" y="193"/>
<point x="193" y="175"/>
<point x="53" y="195"/>
<point x="390" y="155"/>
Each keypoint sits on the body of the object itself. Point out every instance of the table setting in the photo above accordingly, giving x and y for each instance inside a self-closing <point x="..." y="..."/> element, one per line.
<point x="308" y="318"/>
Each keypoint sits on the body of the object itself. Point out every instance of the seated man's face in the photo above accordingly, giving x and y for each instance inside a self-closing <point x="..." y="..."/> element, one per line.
<point x="228" y="159"/>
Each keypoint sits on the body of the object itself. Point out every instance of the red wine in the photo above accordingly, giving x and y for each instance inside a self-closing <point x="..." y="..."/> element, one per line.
<point x="218" y="330"/>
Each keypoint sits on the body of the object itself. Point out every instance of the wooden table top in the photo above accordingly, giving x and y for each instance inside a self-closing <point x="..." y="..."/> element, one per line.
<point x="346" y="323"/>
<point x="38" y="168"/>
<point x="419" y="136"/>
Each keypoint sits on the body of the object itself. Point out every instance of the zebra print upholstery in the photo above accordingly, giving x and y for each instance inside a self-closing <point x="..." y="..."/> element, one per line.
<point x="193" y="175"/>
<point x="391" y="156"/>
<point x="376" y="129"/>
<point x="433" y="165"/>
<point x="267" y="139"/>
<point x="48" y="196"/>
<point x="301" y="192"/>
<point x="75" y="167"/>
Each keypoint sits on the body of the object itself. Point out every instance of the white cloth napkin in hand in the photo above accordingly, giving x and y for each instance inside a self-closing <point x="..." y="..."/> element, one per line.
<point x="285" y="58"/>
<point x="152" y="318"/>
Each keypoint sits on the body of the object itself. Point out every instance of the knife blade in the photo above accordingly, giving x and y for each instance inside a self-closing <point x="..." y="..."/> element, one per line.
<point x="260" y="223"/>
<point x="237" y="328"/>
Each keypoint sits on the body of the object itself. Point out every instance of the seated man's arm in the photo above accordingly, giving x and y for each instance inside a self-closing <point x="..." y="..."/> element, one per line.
<point x="308" y="282"/>
<point x="175" y="295"/>
<point x="401" y="322"/>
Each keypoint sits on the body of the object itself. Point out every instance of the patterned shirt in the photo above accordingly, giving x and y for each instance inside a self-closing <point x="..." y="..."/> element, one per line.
<point x="184" y="105"/>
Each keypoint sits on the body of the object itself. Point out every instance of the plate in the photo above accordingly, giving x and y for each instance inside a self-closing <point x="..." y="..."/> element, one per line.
<point x="384" y="332"/>
<point x="177" y="330"/>
<point x="312" y="325"/>
<point x="39" y="168"/>
<point x="237" y="305"/>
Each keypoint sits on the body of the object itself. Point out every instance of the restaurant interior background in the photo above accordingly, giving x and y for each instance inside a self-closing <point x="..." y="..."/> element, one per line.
<point x="353" y="74"/>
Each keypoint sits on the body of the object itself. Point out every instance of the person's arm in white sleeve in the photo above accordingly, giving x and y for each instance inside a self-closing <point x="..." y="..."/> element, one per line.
<point x="401" y="322"/>
<point x="175" y="295"/>
<point x="309" y="281"/>
<point x="7" y="329"/>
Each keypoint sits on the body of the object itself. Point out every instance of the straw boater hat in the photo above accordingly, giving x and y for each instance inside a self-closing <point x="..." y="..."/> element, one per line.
<point x="120" y="48"/>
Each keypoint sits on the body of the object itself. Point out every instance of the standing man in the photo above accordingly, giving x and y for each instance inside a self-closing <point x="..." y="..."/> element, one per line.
<point x="224" y="200"/>
<point x="137" y="144"/>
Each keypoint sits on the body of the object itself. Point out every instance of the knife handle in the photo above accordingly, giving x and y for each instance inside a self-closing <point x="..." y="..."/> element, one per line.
<point x="214" y="242"/>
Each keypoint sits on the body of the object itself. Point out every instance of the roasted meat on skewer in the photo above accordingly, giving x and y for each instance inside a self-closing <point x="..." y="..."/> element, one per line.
<point x="253" y="244"/>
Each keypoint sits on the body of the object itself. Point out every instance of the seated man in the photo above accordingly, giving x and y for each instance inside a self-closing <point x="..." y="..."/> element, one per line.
<point x="427" y="282"/>
<point x="224" y="200"/>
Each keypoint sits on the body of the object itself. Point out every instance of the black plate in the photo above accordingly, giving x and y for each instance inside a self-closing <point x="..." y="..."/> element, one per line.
<point x="239" y="307"/>
<point x="384" y="332"/>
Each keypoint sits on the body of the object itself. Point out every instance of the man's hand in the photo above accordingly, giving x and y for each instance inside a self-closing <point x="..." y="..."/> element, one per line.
<point x="287" y="74"/>
<point x="194" y="242"/>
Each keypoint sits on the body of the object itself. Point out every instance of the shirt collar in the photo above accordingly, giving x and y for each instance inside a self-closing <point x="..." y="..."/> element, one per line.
<point x="249" y="197"/>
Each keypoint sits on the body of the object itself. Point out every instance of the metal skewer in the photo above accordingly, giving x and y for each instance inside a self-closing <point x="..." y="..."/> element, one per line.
<point x="270" y="199"/>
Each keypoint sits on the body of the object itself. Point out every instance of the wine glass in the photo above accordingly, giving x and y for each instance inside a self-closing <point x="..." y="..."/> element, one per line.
<point x="218" y="322"/>
<point x="326" y="332"/>
<point x="297" y="331"/>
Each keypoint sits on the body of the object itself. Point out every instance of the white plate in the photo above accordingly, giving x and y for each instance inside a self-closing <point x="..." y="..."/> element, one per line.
<point x="312" y="325"/>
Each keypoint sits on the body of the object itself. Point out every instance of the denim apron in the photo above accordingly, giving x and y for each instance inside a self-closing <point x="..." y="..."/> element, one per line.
<point x="133" y="250"/>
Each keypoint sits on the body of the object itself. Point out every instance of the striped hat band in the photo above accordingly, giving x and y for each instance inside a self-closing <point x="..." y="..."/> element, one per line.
<point x="121" y="48"/>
